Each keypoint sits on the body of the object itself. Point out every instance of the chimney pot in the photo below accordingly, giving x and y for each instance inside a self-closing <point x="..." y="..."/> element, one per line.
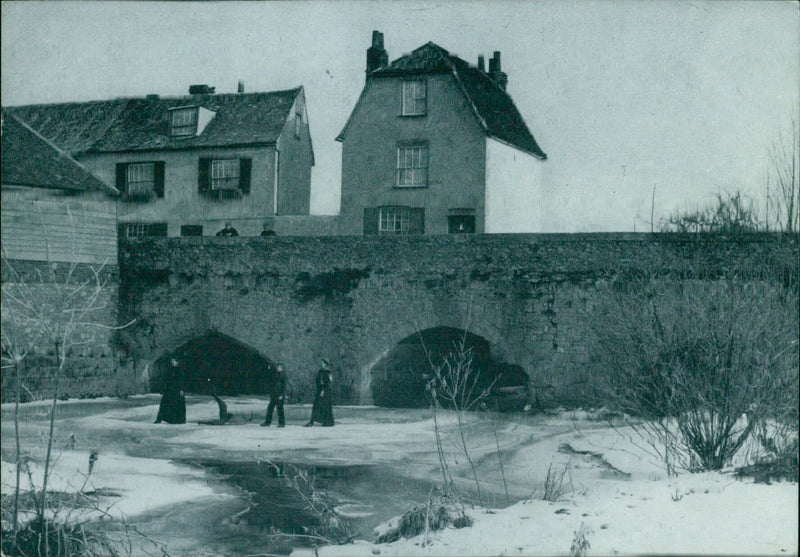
<point x="240" y="87"/>
<point x="498" y="76"/>
<point x="481" y="63"/>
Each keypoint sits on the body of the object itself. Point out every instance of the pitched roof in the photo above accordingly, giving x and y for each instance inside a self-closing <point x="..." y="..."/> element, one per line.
<point x="492" y="106"/>
<point x="143" y="123"/>
<point x="28" y="159"/>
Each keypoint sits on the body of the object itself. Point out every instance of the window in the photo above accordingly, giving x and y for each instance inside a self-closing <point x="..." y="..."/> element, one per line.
<point x="224" y="178"/>
<point x="298" y="124"/>
<point x="133" y="230"/>
<point x="191" y="230"/>
<point x="140" y="181"/>
<point x="461" y="221"/>
<point x="183" y="121"/>
<point x="412" y="166"/>
<point x="225" y="174"/>
<point x="415" y="98"/>
<point x="394" y="220"/>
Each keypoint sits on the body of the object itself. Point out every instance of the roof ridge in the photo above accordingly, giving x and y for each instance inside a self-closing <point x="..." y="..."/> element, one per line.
<point x="126" y="100"/>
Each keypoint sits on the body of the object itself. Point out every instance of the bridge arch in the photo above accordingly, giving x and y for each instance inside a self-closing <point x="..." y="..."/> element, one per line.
<point x="399" y="375"/>
<point x="214" y="360"/>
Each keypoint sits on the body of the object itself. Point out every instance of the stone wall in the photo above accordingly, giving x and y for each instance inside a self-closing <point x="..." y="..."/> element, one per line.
<point x="352" y="299"/>
<point x="93" y="365"/>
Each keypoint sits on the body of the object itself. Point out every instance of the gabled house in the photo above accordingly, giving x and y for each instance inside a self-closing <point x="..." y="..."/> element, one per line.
<point x="187" y="165"/>
<point x="435" y="146"/>
<point x="53" y="209"/>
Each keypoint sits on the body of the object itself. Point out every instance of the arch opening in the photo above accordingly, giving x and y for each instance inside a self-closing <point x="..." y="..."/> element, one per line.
<point x="214" y="363"/>
<point x="398" y="379"/>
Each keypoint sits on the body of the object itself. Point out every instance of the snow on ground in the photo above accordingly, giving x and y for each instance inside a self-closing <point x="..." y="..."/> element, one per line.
<point x="613" y="488"/>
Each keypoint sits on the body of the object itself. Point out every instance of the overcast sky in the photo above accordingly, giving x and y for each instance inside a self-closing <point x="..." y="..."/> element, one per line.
<point x="623" y="96"/>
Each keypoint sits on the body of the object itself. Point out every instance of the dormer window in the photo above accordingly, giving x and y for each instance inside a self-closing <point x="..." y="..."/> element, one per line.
<point x="183" y="121"/>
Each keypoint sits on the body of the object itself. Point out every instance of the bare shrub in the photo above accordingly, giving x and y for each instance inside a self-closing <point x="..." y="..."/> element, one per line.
<point x="700" y="362"/>
<point x="580" y="544"/>
<point x="456" y="383"/>
<point x="440" y="512"/>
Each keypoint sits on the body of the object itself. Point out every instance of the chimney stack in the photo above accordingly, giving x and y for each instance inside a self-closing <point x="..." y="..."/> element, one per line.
<point x="498" y="76"/>
<point x="202" y="89"/>
<point x="481" y="63"/>
<point x="240" y="87"/>
<point x="377" y="57"/>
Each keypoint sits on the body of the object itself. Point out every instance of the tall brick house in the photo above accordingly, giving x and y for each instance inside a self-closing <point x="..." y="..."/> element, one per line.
<point x="435" y="146"/>
<point x="186" y="165"/>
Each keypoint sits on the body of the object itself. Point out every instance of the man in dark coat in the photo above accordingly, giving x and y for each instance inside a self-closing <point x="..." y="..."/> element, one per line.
<point x="229" y="230"/>
<point x="276" y="397"/>
<point x="173" y="402"/>
<point x="322" y="412"/>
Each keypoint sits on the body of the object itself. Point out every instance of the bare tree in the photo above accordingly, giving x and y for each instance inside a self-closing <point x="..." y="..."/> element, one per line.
<point x="57" y="306"/>
<point x="783" y="181"/>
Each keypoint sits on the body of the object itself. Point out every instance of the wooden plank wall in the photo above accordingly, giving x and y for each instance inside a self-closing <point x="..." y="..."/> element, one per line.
<point x="59" y="229"/>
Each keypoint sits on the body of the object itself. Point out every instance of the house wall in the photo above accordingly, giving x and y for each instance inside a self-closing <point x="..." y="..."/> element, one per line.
<point x="182" y="203"/>
<point x="296" y="159"/>
<point x="456" y="147"/>
<point x="514" y="190"/>
<point x="52" y="225"/>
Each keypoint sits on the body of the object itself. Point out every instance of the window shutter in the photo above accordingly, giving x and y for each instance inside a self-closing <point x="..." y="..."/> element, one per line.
<point x="158" y="229"/>
<point x="203" y="181"/>
<point x="245" y="166"/>
<point x="122" y="177"/>
<point x="371" y="220"/>
<point x="158" y="174"/>
<point x="416" y="224"/>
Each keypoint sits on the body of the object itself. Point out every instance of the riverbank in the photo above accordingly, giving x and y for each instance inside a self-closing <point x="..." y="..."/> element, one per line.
<point x="156" y="478"/>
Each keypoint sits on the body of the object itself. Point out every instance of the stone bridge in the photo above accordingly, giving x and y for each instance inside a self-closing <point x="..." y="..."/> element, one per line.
<point x="240" y="304"/>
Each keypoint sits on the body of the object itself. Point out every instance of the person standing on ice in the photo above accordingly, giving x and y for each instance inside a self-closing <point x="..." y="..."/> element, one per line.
<point x="172" y="408"/>
<point x="276" y="398"/>
<point x="322" y="412"/>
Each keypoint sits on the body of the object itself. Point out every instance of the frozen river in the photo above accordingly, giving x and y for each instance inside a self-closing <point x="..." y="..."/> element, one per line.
<point x="201" y="488"/>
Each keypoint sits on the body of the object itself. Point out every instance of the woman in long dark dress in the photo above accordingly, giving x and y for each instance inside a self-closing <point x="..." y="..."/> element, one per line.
<point x="322" y="412"/>
<point x="173" y="402"/>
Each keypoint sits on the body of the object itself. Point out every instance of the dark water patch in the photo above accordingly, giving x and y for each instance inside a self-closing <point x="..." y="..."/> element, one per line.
<point x="608" y="471"/>
<point x="279" y="513"/>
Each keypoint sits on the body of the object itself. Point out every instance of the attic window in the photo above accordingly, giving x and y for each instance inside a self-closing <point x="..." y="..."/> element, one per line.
<point x="183" y="121"/>
<point x="415" y="98"/>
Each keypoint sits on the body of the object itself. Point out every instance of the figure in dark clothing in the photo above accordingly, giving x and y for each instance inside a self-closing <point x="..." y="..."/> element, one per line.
<point x="173" y="402"/>
<point x="267" y="231"/>
<point x="229" y="230"/>
<point x="276" y="398"/>
<point x="322" y="412"/>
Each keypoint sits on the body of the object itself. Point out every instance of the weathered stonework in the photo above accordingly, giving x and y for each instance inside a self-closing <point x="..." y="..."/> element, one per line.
<point x="351" y="299"/>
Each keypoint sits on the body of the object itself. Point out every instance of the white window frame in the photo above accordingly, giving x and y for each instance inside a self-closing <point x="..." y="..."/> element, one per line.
<point x="136" y="229"/>
<point x="394" y="220"/>
<point x="415" y="97"/>
<point x="140" y="179"/>
<point x="412" y="166"/>
<point x="225" y="174"/>
<point x="183" y="120"/>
